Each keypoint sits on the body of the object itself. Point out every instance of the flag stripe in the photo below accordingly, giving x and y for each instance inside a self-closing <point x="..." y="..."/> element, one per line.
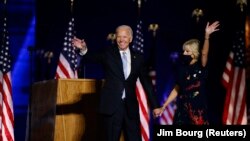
<point x="143" y="109"/>
<point x="240" y="87"/>
<point x="63" y="69"/>
<point x="242" y="109"/>
<point x="236" y="106"/>
<point x="7" y="109"/>
<point x="227" y="72"/>
<point x="142" y="100"/>
<point x="168" y="115"/>
<point x="235" y="91"/>
<point x="170" y="112"/>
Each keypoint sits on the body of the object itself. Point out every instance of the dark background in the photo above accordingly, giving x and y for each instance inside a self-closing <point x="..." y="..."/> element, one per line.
<point x="38" y="27"/>
<point x="95" y="19"/>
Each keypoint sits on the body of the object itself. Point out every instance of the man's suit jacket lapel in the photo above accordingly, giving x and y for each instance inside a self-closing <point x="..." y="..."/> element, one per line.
<point x="118" y="61"/>
<point x="133" y="62"/>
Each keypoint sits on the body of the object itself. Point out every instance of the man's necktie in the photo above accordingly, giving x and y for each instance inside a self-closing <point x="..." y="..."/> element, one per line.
<point x="125" y="64"/>
<point x="125" y="69"/>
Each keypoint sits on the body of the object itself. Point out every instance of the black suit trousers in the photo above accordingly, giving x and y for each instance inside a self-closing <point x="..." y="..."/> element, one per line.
<point x="119" y="122"/>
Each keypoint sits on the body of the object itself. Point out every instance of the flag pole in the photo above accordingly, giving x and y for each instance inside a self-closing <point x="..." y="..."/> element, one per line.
<point x="152" y="72"/>
<point x="139" y="7"/>
<point x="71" y="6"/>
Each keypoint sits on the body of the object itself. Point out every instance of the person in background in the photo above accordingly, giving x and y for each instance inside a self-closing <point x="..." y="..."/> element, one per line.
<point x="190" y="89"/>
<point x="119" y="107"/>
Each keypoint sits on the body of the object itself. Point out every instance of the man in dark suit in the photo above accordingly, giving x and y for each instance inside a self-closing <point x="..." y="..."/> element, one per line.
<point x="118" y="102"/>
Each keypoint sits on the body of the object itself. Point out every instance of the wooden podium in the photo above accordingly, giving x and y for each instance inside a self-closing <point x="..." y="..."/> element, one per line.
<point x="65" y="110"/>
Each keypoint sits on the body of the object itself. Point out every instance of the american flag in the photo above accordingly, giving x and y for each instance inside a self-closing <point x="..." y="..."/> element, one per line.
<point x="168" y="114"/>
<point x="67" y="65"/>
<point x="6" y="104"/>
<point x="234" y="80"/>
<point x="137" y="46"/>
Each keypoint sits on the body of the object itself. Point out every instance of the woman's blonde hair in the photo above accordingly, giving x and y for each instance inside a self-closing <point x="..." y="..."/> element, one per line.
<point x="193" y="45"/>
